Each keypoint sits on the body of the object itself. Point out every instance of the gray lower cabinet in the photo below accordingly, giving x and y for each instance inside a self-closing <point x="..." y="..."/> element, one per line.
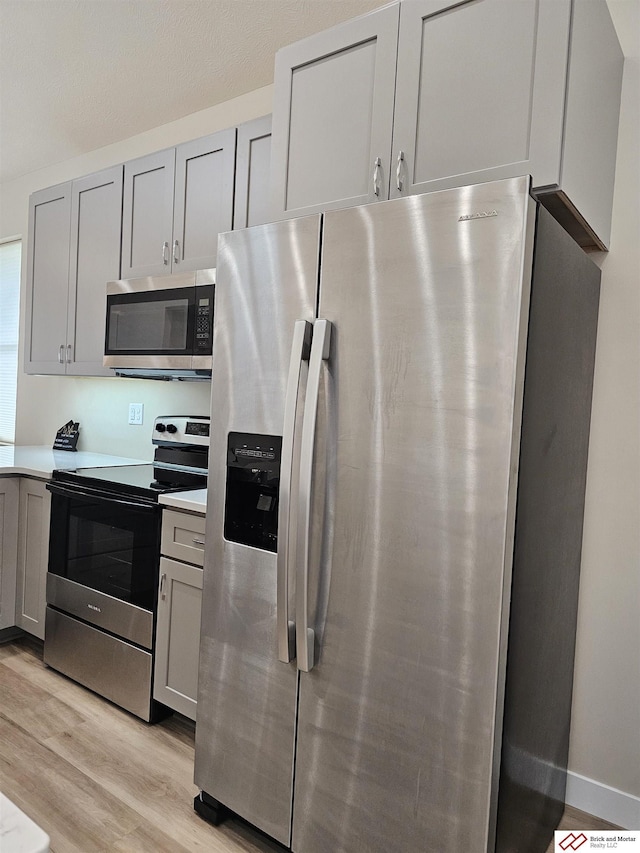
<point x="9" y="500"/>
<point x="176" y="202"/>
<point x="476" y="91"/>
<point x="73" y="250"/>
<point x="33" y="555"/>
<point x="179" y="607"/>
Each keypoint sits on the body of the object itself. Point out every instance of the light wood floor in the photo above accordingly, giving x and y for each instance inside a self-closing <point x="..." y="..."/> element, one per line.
<point x="97" y="779"/>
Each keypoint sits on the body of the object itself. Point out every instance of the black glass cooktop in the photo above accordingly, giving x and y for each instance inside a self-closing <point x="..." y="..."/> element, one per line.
<point x="148" y="481"/>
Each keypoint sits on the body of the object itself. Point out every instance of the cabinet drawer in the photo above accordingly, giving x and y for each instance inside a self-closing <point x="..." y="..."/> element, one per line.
<point x="183" y="536"/>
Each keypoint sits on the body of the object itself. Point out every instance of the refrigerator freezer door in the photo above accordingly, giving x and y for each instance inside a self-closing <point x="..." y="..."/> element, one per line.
<point x="267" y="280"/>
<point x="398" y="731"/>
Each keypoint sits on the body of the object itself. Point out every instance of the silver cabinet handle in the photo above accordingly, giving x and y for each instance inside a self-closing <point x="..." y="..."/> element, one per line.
<point x="60" y="356"/>
<point x="198" y="541"/>
<point x="165" y="253"/>
<point x="300" y="349"/>
<point x="305" y="636"/>
<point x="176" y="252"/>
<point x="69" y="353"/>
<point x="399" y="182"/>
<point x="163" y="579"/>
<point x="376" y="174"/>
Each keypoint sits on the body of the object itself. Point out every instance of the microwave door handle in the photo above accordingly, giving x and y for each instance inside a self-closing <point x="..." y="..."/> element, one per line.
<point x="300" y="349"/>
<point x="305" y="636"/>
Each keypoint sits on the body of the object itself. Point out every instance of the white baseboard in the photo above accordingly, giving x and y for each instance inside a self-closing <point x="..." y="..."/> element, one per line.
<point x="602" y="801"/>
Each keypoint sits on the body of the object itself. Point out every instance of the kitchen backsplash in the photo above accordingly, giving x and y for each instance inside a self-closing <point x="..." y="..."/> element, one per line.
<point x="102" y="407"/>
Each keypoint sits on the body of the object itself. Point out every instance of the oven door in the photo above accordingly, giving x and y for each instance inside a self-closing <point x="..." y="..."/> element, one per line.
<point x="104" y="553"/>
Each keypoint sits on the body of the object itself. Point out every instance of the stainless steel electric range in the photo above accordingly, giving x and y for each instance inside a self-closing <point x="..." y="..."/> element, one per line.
<point x="104" y="555"/>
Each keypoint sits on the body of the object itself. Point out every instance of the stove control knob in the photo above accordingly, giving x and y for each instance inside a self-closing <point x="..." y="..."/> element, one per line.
<point x="172" y="428"/>
<point x="160" y="427"/>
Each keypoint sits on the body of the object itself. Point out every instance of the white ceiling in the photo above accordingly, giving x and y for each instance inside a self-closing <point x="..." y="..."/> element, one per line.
<point x="79" y="74"/>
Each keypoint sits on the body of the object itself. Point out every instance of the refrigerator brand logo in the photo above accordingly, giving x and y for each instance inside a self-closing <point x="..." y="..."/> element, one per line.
<point x="93" y="607"/>
<point x="482" y="215"/>
<point x="572" y="841"/>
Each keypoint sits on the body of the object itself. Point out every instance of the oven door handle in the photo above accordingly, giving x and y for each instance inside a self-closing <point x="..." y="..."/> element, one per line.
<point x="73" y="492"/>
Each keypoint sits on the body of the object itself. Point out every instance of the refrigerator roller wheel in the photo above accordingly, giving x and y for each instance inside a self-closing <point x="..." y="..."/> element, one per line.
<point x="211" y="810"/>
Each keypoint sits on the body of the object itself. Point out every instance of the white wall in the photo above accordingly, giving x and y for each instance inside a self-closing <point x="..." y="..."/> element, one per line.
<point x="605" y="732"/>
<point x="101" y="405"/>
<point x="605" y="737"/>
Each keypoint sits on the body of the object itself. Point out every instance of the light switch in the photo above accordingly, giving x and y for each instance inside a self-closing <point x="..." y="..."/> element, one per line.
<point x="136" y="413"/>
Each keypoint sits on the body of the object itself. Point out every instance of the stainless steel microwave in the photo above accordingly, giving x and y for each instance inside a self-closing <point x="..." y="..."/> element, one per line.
<point x="161" y="326"/>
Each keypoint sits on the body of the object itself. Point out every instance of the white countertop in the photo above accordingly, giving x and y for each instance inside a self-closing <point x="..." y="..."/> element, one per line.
<point x="18" y="832"/>
<point x="41" y="461"/>
<point x="193" y="501"/>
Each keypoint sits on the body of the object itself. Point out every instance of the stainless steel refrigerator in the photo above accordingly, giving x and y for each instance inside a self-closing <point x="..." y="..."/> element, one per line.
<point x="399" y="430"/>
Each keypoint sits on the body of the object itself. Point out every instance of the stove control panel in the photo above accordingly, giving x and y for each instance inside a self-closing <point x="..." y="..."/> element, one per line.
<point x="181" y="429"/>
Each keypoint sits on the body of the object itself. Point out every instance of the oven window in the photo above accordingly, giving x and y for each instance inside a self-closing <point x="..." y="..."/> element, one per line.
<point x="106" y="546"/>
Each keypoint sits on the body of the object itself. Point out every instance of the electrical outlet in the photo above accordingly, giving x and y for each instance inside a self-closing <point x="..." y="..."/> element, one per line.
<point x="136" y="413"/>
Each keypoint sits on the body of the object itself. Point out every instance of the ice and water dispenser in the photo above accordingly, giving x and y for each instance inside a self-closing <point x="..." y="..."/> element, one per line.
<point x="253" y="479"/>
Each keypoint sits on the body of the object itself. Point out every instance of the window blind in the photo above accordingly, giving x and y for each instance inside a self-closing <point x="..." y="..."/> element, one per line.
<point x="9" y="316"/>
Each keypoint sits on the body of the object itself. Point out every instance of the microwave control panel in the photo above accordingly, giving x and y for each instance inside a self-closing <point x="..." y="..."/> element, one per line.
<point x="204" y="320"/>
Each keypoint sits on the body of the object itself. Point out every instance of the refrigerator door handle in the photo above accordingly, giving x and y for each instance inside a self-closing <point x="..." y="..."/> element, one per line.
<point x="300" y="349"/>
<point x="305" y="636"/>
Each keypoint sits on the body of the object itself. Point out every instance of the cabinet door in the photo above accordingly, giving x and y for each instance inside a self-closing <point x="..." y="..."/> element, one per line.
<point x="479" y="92"/>
<point x="33" y="555"/>
<point x="332" y="117"/>
<point x="203" y="199"/>
<point x="252" y="204"/>
<point x="9" y="498"/>
<point x="178" y="636"/>
<point x="96" y="230"/>
<point x="147" y="215"/>
<point x="47" y="280"/>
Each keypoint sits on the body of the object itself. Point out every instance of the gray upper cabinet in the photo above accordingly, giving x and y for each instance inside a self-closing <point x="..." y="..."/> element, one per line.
<point x="333" y="115"/>
<point x="491" y="89"/>
<point x="94" y="259"/>
<point x="147" y="214"/>
<point x="484" y="89"/>
<point x="203" y="205"/>
<point x="48" y="279"/>
<point x="158" y="214"/>
<point x="73" y="250"/>
<point x="252" y="205"/>
<point x="176" y="202"/>
<point x="581" y="196"/>
<point x="469" y="97"/>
